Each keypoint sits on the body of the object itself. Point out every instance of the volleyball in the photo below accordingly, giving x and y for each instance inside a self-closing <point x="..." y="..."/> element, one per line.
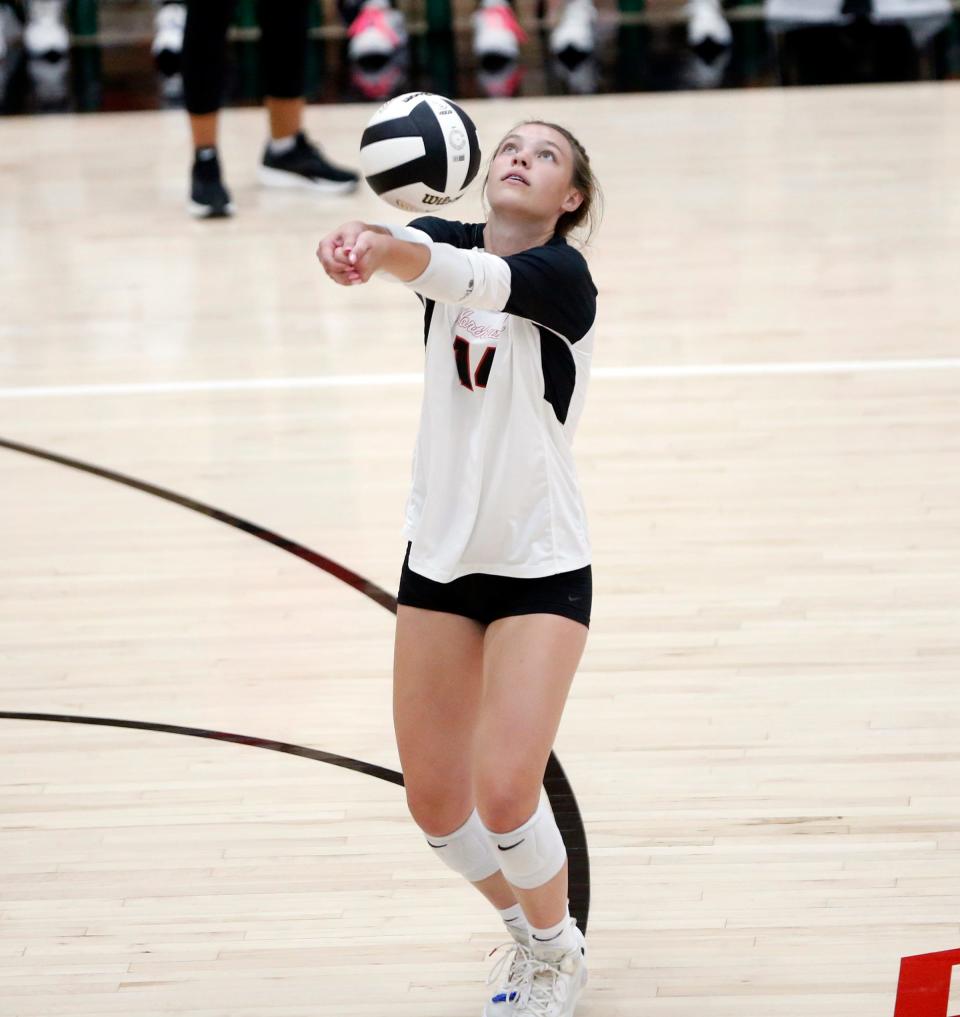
<point x="419" y="152"/>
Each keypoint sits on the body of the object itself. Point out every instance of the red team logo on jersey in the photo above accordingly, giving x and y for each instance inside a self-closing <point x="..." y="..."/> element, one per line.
<point x="924" y="989"/>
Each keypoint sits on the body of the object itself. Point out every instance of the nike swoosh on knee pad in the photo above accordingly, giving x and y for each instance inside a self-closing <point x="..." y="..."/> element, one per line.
<point x="512" y="846"/>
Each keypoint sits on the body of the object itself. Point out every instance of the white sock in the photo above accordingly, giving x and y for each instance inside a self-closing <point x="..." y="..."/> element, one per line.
<point x="556" y="939"/>
<point x="280" y="145"/>
<point x="516" y="922"/>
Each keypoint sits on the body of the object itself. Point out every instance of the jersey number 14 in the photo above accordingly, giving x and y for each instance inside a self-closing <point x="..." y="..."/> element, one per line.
<point x="461" y="350"/>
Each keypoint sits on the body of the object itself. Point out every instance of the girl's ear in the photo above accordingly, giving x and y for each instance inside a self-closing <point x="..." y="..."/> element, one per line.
<point x="572" y="201"/>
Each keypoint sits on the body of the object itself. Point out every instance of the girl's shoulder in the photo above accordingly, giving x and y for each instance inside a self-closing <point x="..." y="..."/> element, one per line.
<point x="466" y="235"/>
<point x="557" y="261"/>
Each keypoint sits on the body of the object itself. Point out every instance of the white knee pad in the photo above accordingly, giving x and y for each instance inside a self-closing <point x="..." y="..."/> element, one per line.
<point x="532" y="854"/>
<point x="467" y="850"/>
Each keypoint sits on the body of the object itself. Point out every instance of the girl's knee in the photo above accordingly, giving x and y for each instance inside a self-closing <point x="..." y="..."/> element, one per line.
<point x="438" y="811"/>
<point x="507" y="800"/>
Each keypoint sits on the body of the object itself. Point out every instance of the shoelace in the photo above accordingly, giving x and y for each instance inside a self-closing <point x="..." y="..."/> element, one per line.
<point x="513" y="969"/>
<point x="507" y="19"/>
<point x="539" y="996"/>
<point x="373" y="17"/>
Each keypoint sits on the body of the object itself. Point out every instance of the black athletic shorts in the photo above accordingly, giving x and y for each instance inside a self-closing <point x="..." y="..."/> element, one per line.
<point x="486" y="598"/>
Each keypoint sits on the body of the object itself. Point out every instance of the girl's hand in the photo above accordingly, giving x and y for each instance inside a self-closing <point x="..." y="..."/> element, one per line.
<point x="366" y="255"/>
<point x="333" y="250"/>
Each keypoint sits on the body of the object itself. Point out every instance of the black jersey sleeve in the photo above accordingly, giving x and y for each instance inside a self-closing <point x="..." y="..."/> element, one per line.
<point x="444" y="231"/>
<point x="552" y="286"/>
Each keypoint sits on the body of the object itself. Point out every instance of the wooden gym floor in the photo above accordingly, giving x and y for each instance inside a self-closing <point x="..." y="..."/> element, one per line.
<point x="763" y="737"/>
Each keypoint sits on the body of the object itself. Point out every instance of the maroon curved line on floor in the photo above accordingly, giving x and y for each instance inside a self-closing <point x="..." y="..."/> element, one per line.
<point x="555" y="781"/>
<point x="358" y="765"/>
<point x="335" y="569"/>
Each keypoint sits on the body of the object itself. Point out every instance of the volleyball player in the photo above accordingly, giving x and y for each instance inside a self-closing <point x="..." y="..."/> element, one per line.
<point x="495" y="589"/>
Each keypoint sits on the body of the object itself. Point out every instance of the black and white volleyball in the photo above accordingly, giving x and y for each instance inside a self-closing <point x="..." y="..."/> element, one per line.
<point x="419" y="152"/>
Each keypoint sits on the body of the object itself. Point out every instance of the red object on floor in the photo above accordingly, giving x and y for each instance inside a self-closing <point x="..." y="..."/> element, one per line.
<point x="924" y="988"/>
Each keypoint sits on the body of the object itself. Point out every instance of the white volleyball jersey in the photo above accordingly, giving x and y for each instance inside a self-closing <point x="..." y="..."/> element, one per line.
<point x="508" y="348"/>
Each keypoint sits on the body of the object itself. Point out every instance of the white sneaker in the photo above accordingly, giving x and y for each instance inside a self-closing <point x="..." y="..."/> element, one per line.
<point x="509" y="975"/>
<point x="496" y="32"/>
<point x="701" y="72"/>
<point x="379" y="79"/>
<point x="500" y="79"/>
<point x="49" y="78"/>
<point x="168" y="37"/>
<point x="707" y="24"/>
<point x="581" y="77"/>
<point x="378" y="31"/>
<point x="46" y="33"/>
<point x="576" y="31"/>
<point x="555" y="983"/>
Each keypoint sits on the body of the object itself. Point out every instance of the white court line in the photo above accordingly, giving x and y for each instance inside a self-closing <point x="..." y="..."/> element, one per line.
<point x="416" y="378"/>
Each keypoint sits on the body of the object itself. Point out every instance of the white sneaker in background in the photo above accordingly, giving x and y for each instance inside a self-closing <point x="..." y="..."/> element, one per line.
<point x="703" y="73"/>
<point x="168" y="37"/>
<point x="378" y="32"/>
<point x="499" y="78"/>
<point x="46" y="34"/>
<point x="576" y="32"/>
<point x="496" y="32"/>
<point x="707" y="24"/>
<point x="581" y="78"/>
<point x="380" y="79"/>
<point x="51" y="82"/>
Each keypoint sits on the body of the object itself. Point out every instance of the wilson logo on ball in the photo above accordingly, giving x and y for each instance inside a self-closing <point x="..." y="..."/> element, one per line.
<point x="419" y="151"/>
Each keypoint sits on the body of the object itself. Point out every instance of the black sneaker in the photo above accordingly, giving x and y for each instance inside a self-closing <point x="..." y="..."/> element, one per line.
<point x="209" y="199"/>
<point x="304" y="166"/>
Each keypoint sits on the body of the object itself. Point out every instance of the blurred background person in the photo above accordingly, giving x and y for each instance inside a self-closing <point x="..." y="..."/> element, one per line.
<point x="573" y="44"/>
<point x="830" y="42"/>
<point x="40" y="28"/>
<point x="289" y="159"/>
<point x="46" y="36"/>
<point x="167" y="46"/>
<point x="710" y="37"/>
<point x="378" y="36"/>
<point x="707" y="25"/>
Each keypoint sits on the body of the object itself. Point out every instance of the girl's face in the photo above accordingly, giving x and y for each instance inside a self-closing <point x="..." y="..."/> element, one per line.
<point x="530" y="176"/>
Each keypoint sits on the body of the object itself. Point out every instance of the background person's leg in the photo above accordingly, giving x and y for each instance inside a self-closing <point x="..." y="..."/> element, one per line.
<point x="290" y="159"/>
<point x="283" y="48"/>
<point x="204" y="63"/>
